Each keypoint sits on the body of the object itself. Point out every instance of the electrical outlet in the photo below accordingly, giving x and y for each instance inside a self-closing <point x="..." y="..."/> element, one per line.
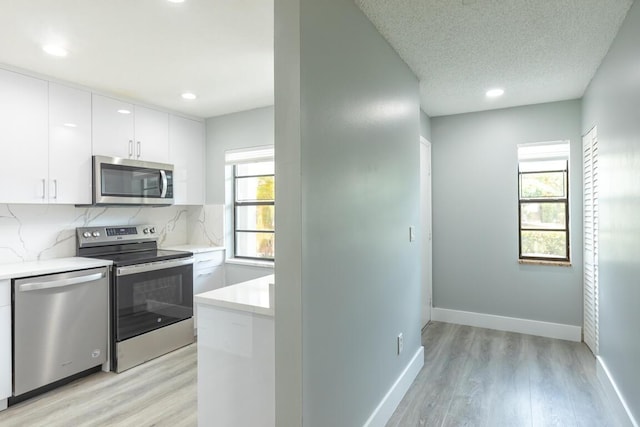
<point x="400" y="343"/>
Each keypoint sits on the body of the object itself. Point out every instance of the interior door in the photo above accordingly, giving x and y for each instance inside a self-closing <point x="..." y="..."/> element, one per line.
<point x="425" y="226"/>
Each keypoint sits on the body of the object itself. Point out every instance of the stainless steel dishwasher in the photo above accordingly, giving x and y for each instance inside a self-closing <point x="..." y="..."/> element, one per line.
<point x="60" y="326"/>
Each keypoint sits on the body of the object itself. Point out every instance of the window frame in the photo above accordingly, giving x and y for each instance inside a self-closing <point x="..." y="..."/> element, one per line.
<point x="541" y="200"/>
<point x="237" y="204"/>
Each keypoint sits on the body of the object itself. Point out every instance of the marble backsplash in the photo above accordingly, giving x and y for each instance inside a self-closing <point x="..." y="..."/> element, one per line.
<point x="38" y="232"/>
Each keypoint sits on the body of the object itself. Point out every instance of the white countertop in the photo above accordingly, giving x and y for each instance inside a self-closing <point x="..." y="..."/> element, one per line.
<point x="49" y="266"/>
<point x="196" y="249"/>
<point x="254" y="296"/>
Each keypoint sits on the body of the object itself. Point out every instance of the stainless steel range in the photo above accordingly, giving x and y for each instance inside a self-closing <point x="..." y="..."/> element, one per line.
<point x="151" y="292"/>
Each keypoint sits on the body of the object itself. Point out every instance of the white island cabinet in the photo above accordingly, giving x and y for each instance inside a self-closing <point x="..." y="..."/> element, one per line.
<point x="236" y="355"/>
<point x="5" y="342"/>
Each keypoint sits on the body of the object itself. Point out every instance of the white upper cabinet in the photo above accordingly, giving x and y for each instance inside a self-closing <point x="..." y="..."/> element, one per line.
<point x="69" y="145"/>
<point x="186" y="152"/>
<point x="112" y="127"/>
<point x="151" y="135"/>
<point x="121" y="129"/>
<point x="23" y="138"/>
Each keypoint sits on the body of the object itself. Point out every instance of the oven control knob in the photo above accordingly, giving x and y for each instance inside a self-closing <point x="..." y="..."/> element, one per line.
<point x="96" y="234"/>
<point x="145" y="231"/>
<point x="152" y="230"/>
<point x="86" y="234"/>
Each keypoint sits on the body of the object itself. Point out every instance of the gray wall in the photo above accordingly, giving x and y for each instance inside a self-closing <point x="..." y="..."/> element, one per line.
<point x="612" y="102"/>
<point x="425" y="126"/>
<point x="347" y="141"/>
<point x="237" y="273"/>
<point x="475" y="215"/>
<point x="245" y="129"/>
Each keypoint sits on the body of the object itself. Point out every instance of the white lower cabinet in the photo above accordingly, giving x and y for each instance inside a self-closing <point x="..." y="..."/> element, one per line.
<point x="208" y="274"/>
<point x="5" y="342"/>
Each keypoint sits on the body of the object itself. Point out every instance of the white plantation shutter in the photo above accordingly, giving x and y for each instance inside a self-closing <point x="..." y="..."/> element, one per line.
<point x="590" y="229"/>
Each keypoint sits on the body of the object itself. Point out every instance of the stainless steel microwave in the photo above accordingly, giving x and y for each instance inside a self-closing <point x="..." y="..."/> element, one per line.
<point x="119" y="181"/>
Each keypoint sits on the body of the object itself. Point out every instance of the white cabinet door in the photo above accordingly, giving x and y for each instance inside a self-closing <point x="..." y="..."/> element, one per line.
<point x="151" y="129"/>
<point x="208" y="279"/>
<point x="69" y="145"/>
<point x="23" y="138"/>
<point x="112" y="129"/>
<point x="5" y="339"/>
<point x="186" y="152"/>
<point x="208" y="274"/>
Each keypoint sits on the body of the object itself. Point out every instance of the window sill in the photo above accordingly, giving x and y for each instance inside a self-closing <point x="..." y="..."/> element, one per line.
<point x="545" y="262"/>
<point x="250" y="262"/>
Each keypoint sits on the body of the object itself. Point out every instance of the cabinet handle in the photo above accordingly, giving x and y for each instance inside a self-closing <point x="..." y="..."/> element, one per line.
<point x="130" y="148"/>
<point x="205" y="274"/>
<point x="139" y="149"/>
<point x="44" y="189"/>
<point x="55" y="188"/>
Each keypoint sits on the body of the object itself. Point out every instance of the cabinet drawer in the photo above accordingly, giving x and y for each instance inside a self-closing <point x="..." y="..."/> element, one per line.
<point x="5" y="292"/>
<point x="207" y="260"/>
<point x="208" y="279"/>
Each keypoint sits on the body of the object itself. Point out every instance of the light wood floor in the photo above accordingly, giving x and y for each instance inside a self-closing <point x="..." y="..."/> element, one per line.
<point x="161" y="392"/>
<point x="471" y="377"/>
<point x="480" y="377"/>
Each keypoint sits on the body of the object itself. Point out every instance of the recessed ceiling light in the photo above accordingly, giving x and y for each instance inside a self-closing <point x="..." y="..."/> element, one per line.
<point x="123" y="111"/>
<point x="175" y="1"/>
<point x="189" y="96"/>
<point x="494" y="93"/>
<point x="55" y="50"/>
<point x="71" y="125"/>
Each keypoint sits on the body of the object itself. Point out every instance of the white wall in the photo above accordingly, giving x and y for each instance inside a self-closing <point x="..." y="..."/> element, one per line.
<point x="612" y="102"/>
<point x="347" y="171"/>
<point x="475" y="215"/>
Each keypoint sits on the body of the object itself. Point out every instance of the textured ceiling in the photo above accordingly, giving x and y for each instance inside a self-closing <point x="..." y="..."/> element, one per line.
<point x="536" y="50"/>
<point x="150" y="50"/>
<point x="222" y="50"/>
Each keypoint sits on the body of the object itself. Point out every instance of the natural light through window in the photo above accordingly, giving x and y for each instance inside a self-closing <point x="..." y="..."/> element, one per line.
<point x="543" y="201"/>
<point x="252" y="202"/>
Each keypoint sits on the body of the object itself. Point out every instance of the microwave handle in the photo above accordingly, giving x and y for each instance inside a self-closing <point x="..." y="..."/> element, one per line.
<point x="163" y="187"/>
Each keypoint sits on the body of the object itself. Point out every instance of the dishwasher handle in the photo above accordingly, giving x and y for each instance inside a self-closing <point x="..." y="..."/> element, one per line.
<point x="36" y="286"/>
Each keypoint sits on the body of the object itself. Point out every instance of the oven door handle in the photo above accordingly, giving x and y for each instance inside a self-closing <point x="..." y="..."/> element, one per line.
<point x="153" y="266"/>
<point x="36" y="286"/>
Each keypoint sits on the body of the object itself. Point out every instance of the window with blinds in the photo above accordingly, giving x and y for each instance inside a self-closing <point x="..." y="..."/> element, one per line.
<point x="590" y="238"/>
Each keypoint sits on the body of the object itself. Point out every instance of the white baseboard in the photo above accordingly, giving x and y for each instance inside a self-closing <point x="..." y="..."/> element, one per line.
<point x="391" y="400"/>
<point x="511" y="324"/>
<point x="3" y="404"/>
<point x="616" y="399"/>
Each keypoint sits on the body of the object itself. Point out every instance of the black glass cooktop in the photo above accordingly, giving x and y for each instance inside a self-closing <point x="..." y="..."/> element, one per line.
<point x="141" y="257"/>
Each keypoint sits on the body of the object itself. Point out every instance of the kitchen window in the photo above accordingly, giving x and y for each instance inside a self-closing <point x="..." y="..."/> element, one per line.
<point x="543" y="201"/>
<point x="253" y="216"/>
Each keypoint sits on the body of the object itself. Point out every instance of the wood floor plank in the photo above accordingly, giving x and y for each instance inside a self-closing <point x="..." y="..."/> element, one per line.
<point x="161" y="392"/>
<point x="495" y="379"/>
<point x="550" y="403"/>
<point x="471" y="376"/>
<point x="511" y="397"/>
